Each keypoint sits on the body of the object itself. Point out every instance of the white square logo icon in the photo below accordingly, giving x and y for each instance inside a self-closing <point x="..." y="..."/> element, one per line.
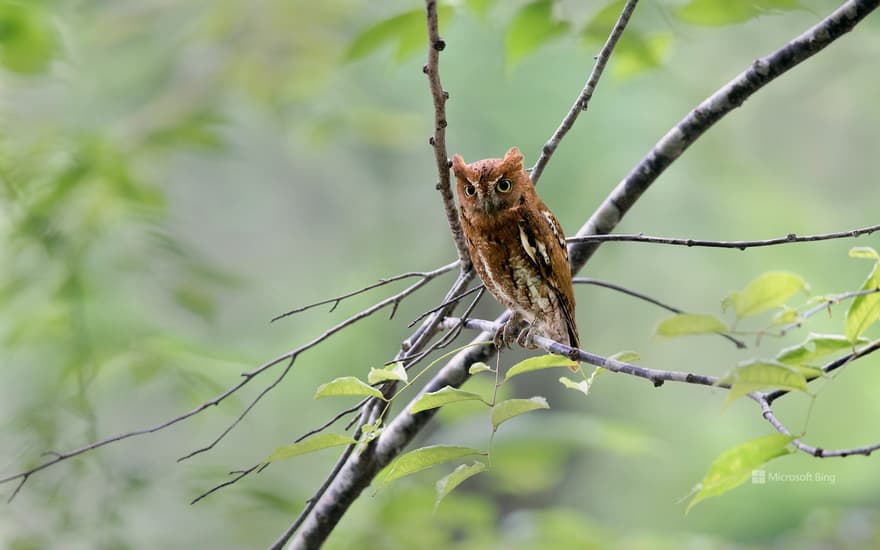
<point x="759" y="477"/>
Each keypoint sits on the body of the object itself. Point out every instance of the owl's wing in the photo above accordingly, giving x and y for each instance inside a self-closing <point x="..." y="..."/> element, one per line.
<point x="544" y="242"/>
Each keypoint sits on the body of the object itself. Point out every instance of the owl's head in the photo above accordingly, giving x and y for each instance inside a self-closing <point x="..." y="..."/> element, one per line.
<point x="491" y="186"/>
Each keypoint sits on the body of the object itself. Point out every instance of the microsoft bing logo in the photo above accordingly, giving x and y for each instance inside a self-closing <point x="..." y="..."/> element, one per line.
<point x="759" y="477"/>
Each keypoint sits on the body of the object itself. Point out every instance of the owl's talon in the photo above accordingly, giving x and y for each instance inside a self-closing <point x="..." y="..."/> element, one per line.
<point x="525" y="338"/>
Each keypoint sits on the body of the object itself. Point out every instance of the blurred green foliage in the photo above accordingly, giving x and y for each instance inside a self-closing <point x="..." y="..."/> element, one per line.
<point x="173" y="174"/>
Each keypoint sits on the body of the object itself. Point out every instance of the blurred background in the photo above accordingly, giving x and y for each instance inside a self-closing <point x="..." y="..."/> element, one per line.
<point x="173" y="174"/>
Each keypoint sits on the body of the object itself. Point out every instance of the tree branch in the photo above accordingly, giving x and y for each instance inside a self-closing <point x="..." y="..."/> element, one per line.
<point x="438" y="140"/>
<point x="381" y="282"/>
<point x="818" y="452"/>
<point x="583" y="99"/>
<point x="742" y="245"/>
<point x="358" y="471"/>
<point x="629" y="292"/>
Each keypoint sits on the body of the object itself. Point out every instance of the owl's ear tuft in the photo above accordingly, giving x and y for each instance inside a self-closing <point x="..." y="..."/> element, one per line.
<point x="459" y="168"/>
<point x="513" y="158"/>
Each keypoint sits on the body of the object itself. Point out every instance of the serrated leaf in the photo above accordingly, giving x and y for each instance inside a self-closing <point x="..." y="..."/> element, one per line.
<point x="533" y="25"/>
<point x="865" y="309"/>
<point x="759" y="375"/>
<point x="727" y="12"/>
<point x="347" y="385"/>
<point x="443" y="396"/>
<point x="864" y="252"/>
<point x="309" y="445"/>
<point x="683" y="324"/>
<point x="506" y="410"/>
<point x="769" y="290"/>
<point x="447" y="484"/>
<point x="394" y="371"/>
<point x="423" y="458"/>
<point x="734" y="466"/>
<point x="548" y="361"/>
<point x="479" y="367"/>
<point x="816" y="346"/>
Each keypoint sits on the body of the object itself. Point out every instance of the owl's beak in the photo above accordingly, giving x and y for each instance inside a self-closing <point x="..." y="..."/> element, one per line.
<point x="491" y="204"/>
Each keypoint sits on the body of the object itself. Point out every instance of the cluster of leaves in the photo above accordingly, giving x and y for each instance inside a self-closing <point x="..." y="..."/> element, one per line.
<point x="792" y="367"/>
<point x="539" y="22"/>
<point x="500" y="411"/>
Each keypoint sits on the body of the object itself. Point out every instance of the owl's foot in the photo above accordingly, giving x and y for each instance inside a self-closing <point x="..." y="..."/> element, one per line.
<point x="509" y="332"/>
<point x="525" y="338"/>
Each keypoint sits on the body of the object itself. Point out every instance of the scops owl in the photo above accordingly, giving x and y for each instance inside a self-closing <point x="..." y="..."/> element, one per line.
<point x="517" y="248"/>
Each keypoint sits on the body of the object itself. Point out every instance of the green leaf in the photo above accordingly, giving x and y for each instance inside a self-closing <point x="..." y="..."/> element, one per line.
<point x="532" y="26"/>
<point x="864" y="252"/>
<point x="683" y="324"/>
<point x="406" y="31"/>
<point x="759" y="375"/>
<point x="540" y="362"/>
<point x="506" y="410"/>
<point x="769" y="290"/>
<point x="448" y="483"/>
<point x="816" y="346"/>
<point x="734" y="466"/>
<point x="27" y="37"/>
<point x="423" y="458"/>
<point x="786" y="316"/>
<point x="864" y="310"/>
<point x="583" y="386"/>
<point x="347" y="385"/>
<point x="603" y="21"/>
<point x="726" y="12"/>
<point x="310" y="445"/>
<point x="394" y="371"/>
<point x="637" y="52"/>
<point x="479" y="367"/>
<point x="443" y="396"/>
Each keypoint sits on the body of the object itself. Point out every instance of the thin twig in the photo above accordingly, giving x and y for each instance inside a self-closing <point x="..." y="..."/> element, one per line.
<point x="605" y="284"/>
<point x="741" y="245"/>
<point x="832" y="366"/>
<point x="381" y="282"/>
<point x="818" y="452"/>
<point x="391" y="300"/>
<point x="241" y="474"/>
<point x="452" y="300"/>
<point x="586" y="94"/>
<point x="822" y="306"/>
<point x="438" y="140"/>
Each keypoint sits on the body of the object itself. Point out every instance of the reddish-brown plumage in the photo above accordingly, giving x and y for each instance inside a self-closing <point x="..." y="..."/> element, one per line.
<point x="517" y="247"/>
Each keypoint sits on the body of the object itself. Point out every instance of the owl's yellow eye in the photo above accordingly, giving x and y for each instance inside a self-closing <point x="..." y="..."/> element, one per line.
<point x="470" y="190"/>
<point x="503" y="185"/>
